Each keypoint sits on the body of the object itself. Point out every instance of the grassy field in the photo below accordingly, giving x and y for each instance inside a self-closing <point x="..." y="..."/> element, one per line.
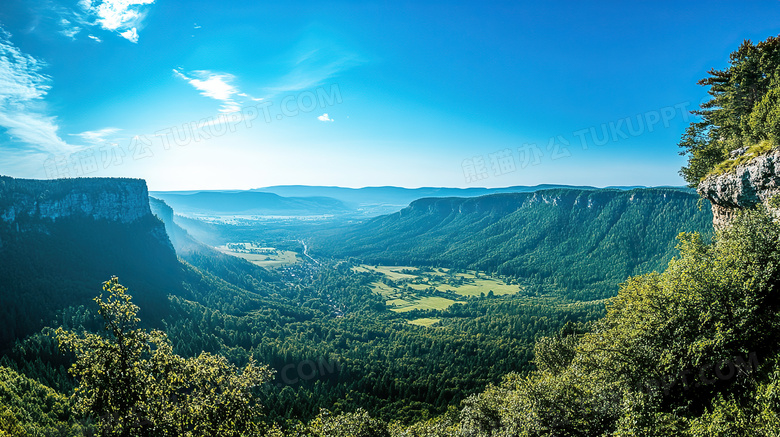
<point x="392" y="272"/>
<point x="410" y="288"/>
<point x="267" y="257"/>
<point x="422" y="303"/>
<point x="465" y="284"/>
<point x="384" y="289"/>
<point x="425" y="321"/>
<point x="472" y="289"/>
<point x="401" y="301"/>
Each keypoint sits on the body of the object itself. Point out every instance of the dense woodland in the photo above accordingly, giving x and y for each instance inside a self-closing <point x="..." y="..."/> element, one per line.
<point x="188" y="347"/>
<point x="366" y="357"/>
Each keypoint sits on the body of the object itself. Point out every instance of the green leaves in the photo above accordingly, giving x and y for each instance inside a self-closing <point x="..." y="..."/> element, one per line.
<point x="28" y="408"/>
<point x="357" y="424"/>
<point x="132" y="383"/>
<point x="743" y="110"/>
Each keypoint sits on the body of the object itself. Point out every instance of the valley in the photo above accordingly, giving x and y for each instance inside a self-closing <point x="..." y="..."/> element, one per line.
<point x="389" y="219"/>
<point x="404" y="336"/>
<point x="405" y="309"/>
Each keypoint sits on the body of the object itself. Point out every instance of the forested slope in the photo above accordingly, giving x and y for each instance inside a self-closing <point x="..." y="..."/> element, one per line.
<point x="584" y="242"/>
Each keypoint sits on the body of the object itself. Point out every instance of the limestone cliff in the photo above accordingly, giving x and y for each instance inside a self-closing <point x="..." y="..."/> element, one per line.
<point x="746" y="185"/>
<point x="507" y="203"/>
<point x="60" y="239"/>
<point x="118" y="200"/>
<point x="32" y="205"/>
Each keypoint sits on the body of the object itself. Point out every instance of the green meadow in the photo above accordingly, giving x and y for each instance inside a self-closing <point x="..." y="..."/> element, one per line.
<point x="408" y="288"/>
<point x="267" y="257"/>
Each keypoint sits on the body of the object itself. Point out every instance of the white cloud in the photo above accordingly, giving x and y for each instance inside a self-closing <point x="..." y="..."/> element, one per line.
<point x="324" y="117"/>
<point x="256" y="99"/>
<point x="22" y="109"/>
<point x="230" y="108"/>
<point x="124" y="17"/>
<point x="97" y="136"/>
<point x="68" y="29"/>
<point x="120" y="14"/>
<point x="130" y="35"/>
<point x="217" y="86"/>
<point x="95" y="38"/>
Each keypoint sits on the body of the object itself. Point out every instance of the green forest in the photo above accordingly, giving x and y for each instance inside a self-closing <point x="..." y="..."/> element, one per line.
<point x="633" y="317"/>
<point x="580" y="242"/>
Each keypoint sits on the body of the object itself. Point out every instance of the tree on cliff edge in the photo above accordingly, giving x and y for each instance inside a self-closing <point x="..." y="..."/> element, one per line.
<point x="743" y="110"/>
<point x="132" y="383"/>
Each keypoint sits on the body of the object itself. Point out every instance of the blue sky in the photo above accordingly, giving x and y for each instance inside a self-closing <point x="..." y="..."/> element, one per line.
<point x="236" y="95"/>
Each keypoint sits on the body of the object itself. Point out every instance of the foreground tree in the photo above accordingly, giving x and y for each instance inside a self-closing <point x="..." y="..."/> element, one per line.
<point x="691" y="351"/>
<point x="132" y="384"/>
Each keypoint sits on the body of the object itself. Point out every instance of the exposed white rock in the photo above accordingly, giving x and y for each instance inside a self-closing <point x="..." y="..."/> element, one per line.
<point x="747" y="185"/>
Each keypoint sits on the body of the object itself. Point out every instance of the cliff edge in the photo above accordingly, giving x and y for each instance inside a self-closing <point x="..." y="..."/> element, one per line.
<point x="60" y="239"/>
<point x="744" y="186"/>
<point x="117" y="200"/>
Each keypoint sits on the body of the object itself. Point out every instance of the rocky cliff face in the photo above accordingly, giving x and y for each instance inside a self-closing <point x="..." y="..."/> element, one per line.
<point x="60" y="239"/>
<point x="747" y="185"/>
<point x="507" y="203"/>
<point x="33" y="205"/>
<point x="117" y="200"/>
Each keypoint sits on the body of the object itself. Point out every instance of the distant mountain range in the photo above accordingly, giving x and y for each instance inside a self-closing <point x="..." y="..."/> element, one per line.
<point x="304" y="200"/>
<point x="250" y="203"/>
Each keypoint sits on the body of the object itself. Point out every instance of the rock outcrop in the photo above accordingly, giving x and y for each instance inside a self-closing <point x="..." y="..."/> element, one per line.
<point x="117" y="200"/>
<point x="756" y="181"/>
<point x="33" y="205"/>
<point x="507" y="203"/>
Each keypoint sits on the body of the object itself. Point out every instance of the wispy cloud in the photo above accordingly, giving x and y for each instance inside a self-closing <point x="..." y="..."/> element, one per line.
<point x="314" y="63"/>
<point x="130" y="35"/>
<point x="324" y="117"/>
<point x="217" y="86"/>
<point x="22" y="109"/>
<point x="97" y="136"/>
<point x="94" y="38"/>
